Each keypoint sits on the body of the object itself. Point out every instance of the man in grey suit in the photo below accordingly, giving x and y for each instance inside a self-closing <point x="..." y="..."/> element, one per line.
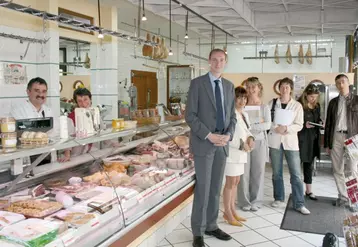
<point x="210" y="114"/>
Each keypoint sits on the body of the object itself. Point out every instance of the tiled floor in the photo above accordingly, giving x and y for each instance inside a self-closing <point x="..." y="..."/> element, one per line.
<point x="262" y="228"/>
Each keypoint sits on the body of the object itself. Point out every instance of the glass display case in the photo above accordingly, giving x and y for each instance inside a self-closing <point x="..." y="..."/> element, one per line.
<point x="178" y="82"/>
<point x="95" y="196"/>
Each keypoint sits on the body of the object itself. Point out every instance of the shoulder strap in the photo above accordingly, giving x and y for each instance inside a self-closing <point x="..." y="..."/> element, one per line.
<point x="273" y="108"/>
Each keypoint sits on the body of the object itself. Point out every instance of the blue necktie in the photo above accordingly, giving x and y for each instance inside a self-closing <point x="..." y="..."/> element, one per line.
<point x="219" y="108"/>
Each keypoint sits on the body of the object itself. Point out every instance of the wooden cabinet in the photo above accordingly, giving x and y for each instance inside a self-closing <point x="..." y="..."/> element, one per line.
<point x="147" y="88"/>
<point x="178" y="82"/>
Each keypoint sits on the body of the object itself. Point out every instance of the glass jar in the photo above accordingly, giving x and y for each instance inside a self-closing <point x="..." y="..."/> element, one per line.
<point x="9" y="140"/>
<point x="8" y="124"/>
<point x="116" y="124"/>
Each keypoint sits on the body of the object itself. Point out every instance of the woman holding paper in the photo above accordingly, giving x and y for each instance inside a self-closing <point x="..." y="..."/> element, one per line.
<point x="252" y="181"/>
<point x="242" y="143"/>
<point x="283" y="140"/>
<point x="309" y="136"/>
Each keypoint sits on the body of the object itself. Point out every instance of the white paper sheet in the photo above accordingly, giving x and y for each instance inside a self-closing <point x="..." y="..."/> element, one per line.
<point x="284" y="117"/>
<point x="254" y="113"/>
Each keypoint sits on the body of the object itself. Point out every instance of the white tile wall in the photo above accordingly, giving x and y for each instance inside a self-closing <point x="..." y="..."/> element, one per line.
<point x="40" y="60"/>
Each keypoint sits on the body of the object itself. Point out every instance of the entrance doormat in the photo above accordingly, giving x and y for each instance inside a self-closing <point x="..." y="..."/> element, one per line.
<point x="324" y="217"/>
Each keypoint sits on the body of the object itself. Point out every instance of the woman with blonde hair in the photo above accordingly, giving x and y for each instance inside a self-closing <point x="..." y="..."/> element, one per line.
<point x="309" y="136"/>
<point x="241" y="144"/>
<point x="252" y="181"/>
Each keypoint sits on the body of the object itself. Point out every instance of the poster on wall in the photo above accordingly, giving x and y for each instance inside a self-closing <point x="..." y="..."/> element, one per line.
<point x="13" y="74"/>
<point x="299" y="82"/>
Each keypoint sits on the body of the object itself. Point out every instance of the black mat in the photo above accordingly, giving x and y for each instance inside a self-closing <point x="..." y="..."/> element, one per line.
<point x="323" y="218"/>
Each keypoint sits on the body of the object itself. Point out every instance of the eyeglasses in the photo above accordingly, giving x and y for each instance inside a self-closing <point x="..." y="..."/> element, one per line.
<point x="312" y="89"/>
<point x="251" y="79"/>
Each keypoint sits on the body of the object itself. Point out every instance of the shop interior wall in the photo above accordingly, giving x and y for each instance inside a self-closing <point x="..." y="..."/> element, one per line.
<point x="37" y="63"/>
<point x="126" y="14"/>
<point x="237" y="63"/>
<point x="68" y="82"/>
<point x="268" y="80"/>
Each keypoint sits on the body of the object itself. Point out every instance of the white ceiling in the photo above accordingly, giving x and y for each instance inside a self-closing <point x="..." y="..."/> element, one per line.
<point x="263" y="18"/>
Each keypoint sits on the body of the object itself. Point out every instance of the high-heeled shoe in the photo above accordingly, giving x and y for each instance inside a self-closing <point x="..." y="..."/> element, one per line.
<point x="239" y="218"/>
<point x="233" y="223"/>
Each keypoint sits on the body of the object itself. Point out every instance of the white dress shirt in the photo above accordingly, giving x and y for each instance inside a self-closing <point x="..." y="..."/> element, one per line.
<point x="342" y="114"/>
<point x="26" y="110"/>
<point x="290" y="139"/>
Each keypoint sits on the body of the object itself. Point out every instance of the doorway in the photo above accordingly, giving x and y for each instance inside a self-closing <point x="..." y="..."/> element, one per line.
<point x="147" y="88"/>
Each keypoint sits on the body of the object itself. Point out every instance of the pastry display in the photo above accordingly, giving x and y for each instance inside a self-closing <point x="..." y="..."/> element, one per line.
<point x="34" y="208"/>
<point x="34" y="138"/>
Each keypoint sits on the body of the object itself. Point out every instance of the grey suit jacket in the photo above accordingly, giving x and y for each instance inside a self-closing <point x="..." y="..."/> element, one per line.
<point x="200" y="113"/>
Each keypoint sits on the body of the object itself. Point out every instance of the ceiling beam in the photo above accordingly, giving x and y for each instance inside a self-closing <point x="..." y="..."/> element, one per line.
<point x="286" y="17"/>
<point x="202" y="17"/>
<point x="243" y="9"/>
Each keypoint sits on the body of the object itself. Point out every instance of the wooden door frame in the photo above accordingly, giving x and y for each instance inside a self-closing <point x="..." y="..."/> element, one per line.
<point x="147" y="74"/>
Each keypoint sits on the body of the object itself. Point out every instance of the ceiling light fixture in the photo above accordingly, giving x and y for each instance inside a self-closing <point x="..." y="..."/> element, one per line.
<point x="170" y="28"/>
<point x="144" y="18"/>
<point x="186" y="25"/>
<point x="100" y="34"/>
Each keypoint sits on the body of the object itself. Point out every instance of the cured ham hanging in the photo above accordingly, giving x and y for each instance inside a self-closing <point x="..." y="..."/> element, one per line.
<point x="309" y="54"/>
<point x="277" y="59"/>
<point x="301" y="59"/>
<point x="288" y="55"/>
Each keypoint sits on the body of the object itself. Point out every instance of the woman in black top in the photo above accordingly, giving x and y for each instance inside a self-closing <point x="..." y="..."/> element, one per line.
<point x="309" y="136"/>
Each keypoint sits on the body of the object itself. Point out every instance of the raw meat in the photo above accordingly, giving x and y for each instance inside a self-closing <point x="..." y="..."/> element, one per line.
<point x="309" y="54"/>
<point x="288" y="55"/>
<point x="301" y="59"/>
<point x="277" y="59"/>
<point x="37" y="191"/>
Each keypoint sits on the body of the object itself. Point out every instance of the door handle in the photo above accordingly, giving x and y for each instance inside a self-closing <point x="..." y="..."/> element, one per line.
<point x="149" y="92"/>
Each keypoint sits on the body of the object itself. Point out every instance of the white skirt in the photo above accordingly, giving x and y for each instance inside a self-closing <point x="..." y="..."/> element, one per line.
<point x="234" y="169"/>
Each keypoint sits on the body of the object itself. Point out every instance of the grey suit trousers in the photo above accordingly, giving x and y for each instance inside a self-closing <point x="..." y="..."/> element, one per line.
<point x="209" y="172"/>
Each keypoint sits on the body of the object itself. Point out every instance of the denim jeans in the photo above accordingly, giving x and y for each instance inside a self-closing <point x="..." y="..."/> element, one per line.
<point x="294" y="166"/>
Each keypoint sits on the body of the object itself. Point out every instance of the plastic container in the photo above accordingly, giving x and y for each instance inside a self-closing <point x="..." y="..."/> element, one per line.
<point x="8" y="125"/>
<point x="130" y="124"/>
<point x="118" y="123"/>
<point x="31" y="232"/>
<point x="8" y="140"/>
<point x="8" y="218"/>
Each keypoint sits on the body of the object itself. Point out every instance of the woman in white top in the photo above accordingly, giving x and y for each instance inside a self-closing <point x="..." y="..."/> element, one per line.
<point x="283" y="140"/>
<point x="242" y="143"/>
<point x="250" y="192"/>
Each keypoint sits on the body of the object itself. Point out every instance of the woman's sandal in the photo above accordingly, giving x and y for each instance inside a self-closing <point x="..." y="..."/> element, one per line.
<point x="311" y="196"/>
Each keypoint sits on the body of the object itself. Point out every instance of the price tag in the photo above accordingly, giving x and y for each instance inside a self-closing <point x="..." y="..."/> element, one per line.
<point x="70" y="237"/>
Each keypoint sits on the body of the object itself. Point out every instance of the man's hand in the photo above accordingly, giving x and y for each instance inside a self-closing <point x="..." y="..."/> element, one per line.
<point x="66" y="157"/>
<point x="281" y="129"/>
<point x="328" y="151"/>
<point x="308" y="126"/>
<point x="214" y="138"/>
<point x="251" y="143"/>
<point x="224" y="139"/>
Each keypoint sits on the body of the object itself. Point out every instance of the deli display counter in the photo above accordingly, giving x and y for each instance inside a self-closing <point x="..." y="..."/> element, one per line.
<point x="96" y="198"/>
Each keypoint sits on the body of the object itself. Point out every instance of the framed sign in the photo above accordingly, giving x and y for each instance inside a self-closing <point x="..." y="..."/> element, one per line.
<point x="75" y="16"/>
